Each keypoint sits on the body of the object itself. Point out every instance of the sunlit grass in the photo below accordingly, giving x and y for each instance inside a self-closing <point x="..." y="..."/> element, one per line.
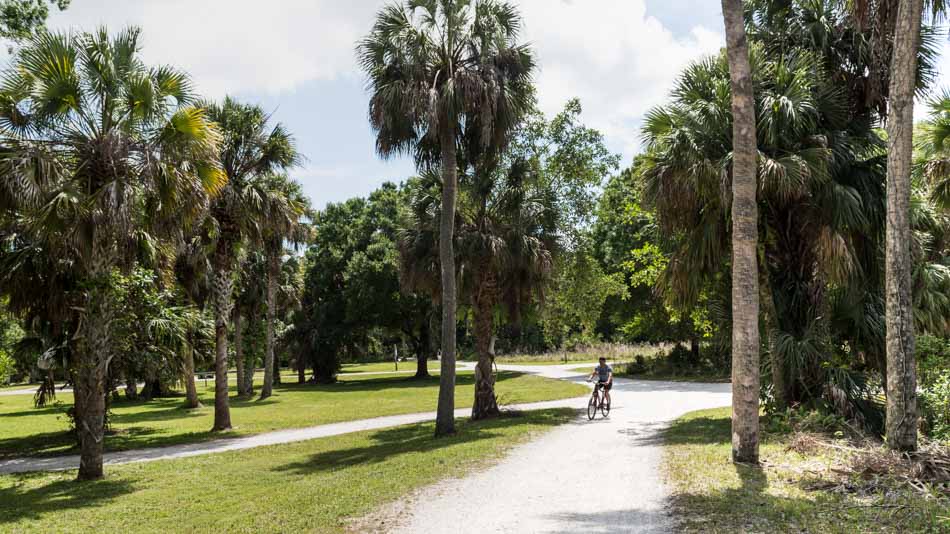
<point x="711" y="494"/>
<point x="25" y="430"/>
<point x="310" y="486"/>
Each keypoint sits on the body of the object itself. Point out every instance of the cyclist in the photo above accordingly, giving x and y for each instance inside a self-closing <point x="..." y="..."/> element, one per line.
<point x="605" y="377"/>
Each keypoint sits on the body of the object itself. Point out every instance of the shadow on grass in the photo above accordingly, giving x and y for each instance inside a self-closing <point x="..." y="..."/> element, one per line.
<point x="134" y="418"/>
<point x="699" y="431"/>
<point x="418" y="438"/>
<point x="17" y="503"/>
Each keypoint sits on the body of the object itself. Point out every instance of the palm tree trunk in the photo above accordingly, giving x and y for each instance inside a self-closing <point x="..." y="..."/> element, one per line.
<point x="901" y="427"/>
<point x="221" y="289"/>
<point x="445" y="414"/>
<point x="188" y="376"/>
<point x="90" y="378"/>
<point x="249" y="359"/>
<point x="486" y="404"/>
<point x="239" y="350"/>
<point x="301" y="369"/>
<point x="273" y="268"/>
<point x="423" y="343"/>
<point x="745" y="276"/>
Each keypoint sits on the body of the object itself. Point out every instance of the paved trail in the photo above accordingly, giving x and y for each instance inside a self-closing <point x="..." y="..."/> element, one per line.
<point x="599" y="476"/>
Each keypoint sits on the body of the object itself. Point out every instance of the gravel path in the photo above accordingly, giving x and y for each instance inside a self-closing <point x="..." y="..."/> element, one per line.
<point x="586" y="476"/>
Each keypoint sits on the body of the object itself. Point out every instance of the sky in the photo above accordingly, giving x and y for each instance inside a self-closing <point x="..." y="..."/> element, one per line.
<point x="296" y="59"/>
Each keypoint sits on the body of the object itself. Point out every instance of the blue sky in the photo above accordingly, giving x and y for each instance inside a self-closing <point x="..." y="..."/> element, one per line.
<point x="296" y="59"/>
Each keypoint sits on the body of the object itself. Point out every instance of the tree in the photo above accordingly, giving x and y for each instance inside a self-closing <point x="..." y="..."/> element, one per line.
<point x="19" y="19"/>
<point x="431" y="64"/>
<point x="101" y="149"/>
<point x="287" y="206"/>
<point x="745" y="272"/>
<point x="251" y="149"/>
<point x="505" y="236"/>
<point x="901" y="365"/>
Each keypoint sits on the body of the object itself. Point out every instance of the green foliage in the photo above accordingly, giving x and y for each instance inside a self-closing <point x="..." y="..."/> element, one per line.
<point x="7" y="367"/>
<point x="935" y="406"/>
<point x="803" y="419"/>
<point x="21" y="18"/>
<point x="576" y="300"/>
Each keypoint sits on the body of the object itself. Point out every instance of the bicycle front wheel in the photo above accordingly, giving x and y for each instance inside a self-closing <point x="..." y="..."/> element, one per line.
<point x="605" y="407"/>
<point x="592" y="408"/>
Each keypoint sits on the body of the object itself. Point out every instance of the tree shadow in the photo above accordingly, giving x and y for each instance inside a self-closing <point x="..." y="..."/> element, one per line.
<point x="417" y="438"/>
<point x="17" y="503"/>
<point x="630" y="520"/>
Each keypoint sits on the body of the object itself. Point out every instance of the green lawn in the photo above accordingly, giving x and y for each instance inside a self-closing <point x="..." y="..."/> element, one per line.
<point x="25" y="430"/>
<point x="711" y="494"/>
<point x="377" y="367"/>
<point x="311" y="486"/>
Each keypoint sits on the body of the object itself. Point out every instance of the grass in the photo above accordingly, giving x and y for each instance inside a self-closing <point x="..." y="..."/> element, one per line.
<point x="25" y="430"/>
<point x="311" y="486"/>
<point x="711" y="494"/>
<point x="378" y="367"/>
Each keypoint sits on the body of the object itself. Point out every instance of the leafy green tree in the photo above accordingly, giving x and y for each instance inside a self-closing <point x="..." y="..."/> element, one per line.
<point x="19" y="19"/>
<point x="433" y="66"/>
<point x="101" y="149"/>
<point x="251" y="150"/>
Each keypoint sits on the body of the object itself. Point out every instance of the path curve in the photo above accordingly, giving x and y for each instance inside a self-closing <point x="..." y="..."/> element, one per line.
<point x="585" y="476"/>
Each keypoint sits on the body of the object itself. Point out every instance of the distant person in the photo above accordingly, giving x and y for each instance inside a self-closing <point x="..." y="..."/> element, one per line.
<point x="605" y="377"/>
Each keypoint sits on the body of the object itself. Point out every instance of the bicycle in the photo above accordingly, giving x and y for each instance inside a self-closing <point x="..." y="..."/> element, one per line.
<point x="598" y="401"/>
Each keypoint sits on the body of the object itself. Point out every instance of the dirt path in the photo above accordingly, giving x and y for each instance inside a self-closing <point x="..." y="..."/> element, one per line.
<point x="586" y="476"/>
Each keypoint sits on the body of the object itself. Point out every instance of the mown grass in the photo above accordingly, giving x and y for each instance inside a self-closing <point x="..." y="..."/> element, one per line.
<point x="311" y="486"/>
<point x="25" y="430"/>
<point x="711" y="494"/>
<point x="379" y="367"/>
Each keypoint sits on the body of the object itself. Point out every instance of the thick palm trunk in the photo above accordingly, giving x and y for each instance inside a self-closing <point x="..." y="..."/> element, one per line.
<point x="188" y="376"/>
<point x="90" y="378"/>
<point x="273" y="267"/>
<point x="301" y="370"/>
<point x="745" y="291"/>
<point x="486" y="403"/>
<point x="422" y="351"/>
<point x="901" y="427"/>
<point x="221" y="288"/>
<point x="239" y="351"/>
<point x="445" y="415"/>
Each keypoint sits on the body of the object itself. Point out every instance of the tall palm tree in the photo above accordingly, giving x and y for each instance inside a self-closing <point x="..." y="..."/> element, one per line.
<point x="251" y="149"/>
<point x="901" y="365"/>
<point x="90" y="132"/>
<point x="745" y="271"/>
<point x="287" y="207"/>
<point x="430" y="64"/>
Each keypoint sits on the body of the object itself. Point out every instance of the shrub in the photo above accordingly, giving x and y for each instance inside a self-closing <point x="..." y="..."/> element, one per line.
<point x="7" y="367"/>
<point x="933" y="359"/>
<point x="935" y="407"/>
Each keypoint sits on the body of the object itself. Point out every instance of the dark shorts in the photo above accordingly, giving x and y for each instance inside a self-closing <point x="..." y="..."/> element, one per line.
<point x="605" y="385"/>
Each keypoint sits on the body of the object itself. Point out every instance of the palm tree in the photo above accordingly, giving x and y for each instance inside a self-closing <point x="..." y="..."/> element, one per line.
<point x="430" y="64"/>
<point x="89" y="134"/>
<point x="286" y="208"/>
<point x="250" y="150"/>
<point x="505" y="247"/>
<point x="901" y="365"/>
<point x="745" y="271"/>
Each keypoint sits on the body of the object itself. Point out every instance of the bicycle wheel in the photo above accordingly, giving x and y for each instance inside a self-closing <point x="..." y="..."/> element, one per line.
<point x="605" y="407"/>
<point x="592" y="407"/>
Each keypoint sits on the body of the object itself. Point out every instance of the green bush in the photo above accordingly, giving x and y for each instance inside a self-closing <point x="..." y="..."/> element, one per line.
<point x="804" y="419"/>
<point x="935" y="407"/>
<point x="933" y="359"/>
<point x="7" y="367"/>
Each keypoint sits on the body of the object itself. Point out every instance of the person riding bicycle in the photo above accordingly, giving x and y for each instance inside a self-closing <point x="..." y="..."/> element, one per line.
<point x="605" y="377"/>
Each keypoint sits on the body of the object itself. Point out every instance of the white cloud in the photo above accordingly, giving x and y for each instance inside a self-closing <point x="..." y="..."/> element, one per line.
<point x="239" y="46"/>
<point x="617" y="59"/>
<point x="614" y="56"/>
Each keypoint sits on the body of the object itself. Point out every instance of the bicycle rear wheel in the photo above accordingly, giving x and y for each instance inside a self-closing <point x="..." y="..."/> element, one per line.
<point x="592" y="407"/>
